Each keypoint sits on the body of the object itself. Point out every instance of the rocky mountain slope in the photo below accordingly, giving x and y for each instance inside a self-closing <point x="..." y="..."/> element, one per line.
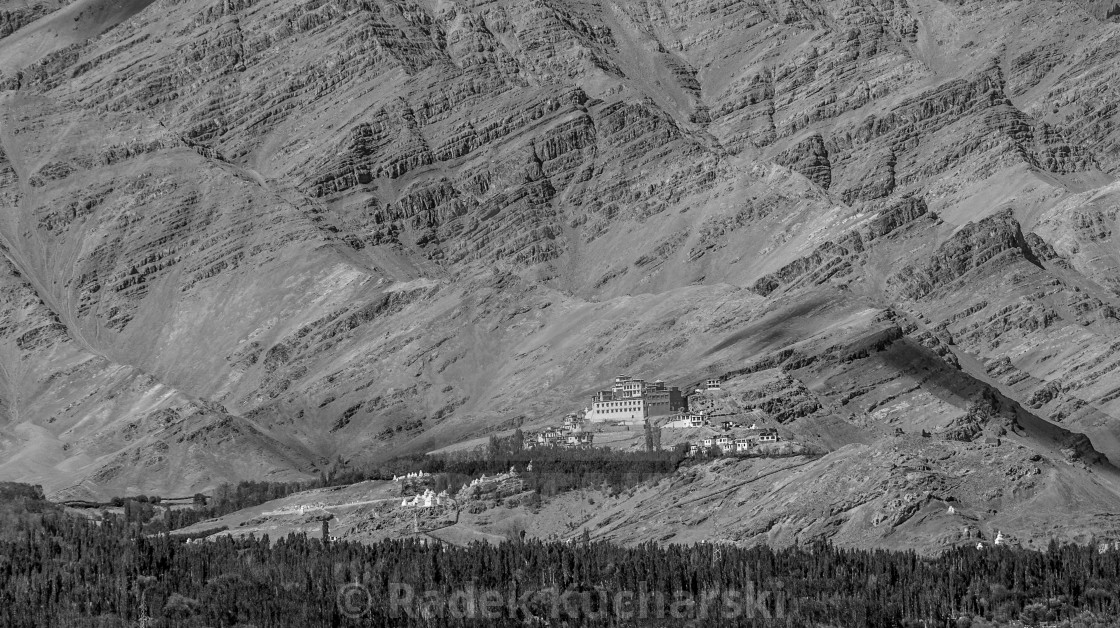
<point x="243" y="238"/>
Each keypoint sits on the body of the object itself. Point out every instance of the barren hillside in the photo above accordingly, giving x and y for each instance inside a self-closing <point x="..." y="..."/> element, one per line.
<point x="243" y="238"/>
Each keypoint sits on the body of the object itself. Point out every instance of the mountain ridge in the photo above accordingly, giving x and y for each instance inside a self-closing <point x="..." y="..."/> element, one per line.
<point x="245" y="239"/>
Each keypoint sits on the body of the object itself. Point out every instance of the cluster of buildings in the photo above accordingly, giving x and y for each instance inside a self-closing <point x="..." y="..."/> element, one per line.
<point x="703" y="418"/>
<point x="571" y="434"/>
<point x="698" y="418"/>
<point x="690" y="419"/>
<point x="727" y="443"/>
<point x="632" y="401"/>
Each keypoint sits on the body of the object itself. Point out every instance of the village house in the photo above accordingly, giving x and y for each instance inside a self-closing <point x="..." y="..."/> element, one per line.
<point x="582" y="439"/>
<point x="755" y="434"/>
<point x="713" y="384"/>
<point x="688" y="419"/>
<point x="546" y="437"/>
<point x="571" y="434"/>
<point x="735" y="444"/>
<point x="634" y="400"/>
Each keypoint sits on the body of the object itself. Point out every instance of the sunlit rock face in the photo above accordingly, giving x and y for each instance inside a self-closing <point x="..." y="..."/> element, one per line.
<point x="243" y="239"/>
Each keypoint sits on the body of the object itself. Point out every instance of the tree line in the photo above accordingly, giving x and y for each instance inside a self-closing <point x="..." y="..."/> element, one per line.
<point x="60" y="570"/>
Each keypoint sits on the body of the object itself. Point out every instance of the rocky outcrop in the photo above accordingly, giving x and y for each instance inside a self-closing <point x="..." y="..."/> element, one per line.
<point x="973" y="246"/>
<point x="810" y="158"/>
<point x="877" y="182"/>
<point x="13" y="19"/>
<point x="782" y="398"/>
<point x="835" y="259"/>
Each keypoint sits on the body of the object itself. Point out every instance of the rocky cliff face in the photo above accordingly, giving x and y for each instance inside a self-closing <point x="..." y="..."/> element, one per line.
<point x="245" y="238"/>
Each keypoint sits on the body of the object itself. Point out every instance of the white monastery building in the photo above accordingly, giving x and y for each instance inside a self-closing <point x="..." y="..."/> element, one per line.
<point x="634" y="400"/>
